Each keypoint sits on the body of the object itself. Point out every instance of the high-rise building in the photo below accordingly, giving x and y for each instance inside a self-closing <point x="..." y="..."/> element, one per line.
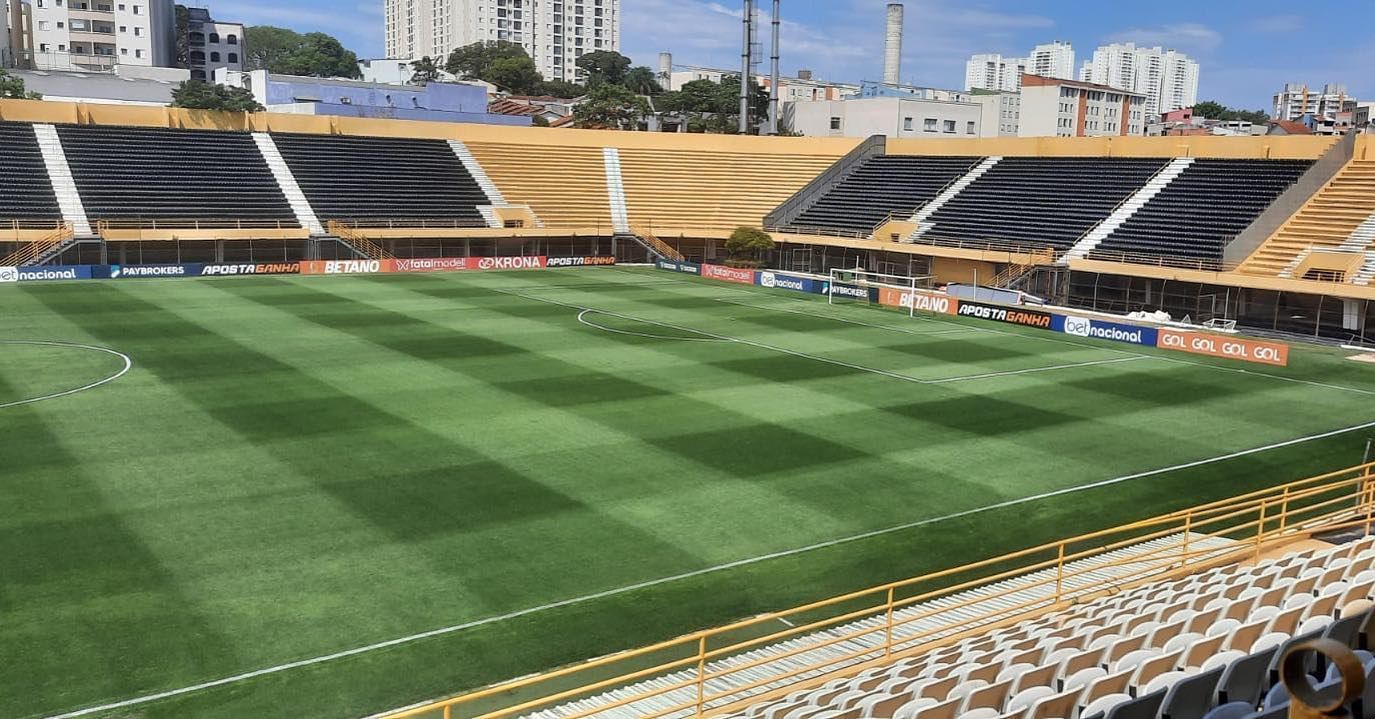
<point x="555" y="32"/>
<point x="96" y="35"/>
<point x="1296" y="101"/>
<point x="996" y="72"/>
<point x="212" y="45"/>
<point x="1168" y="78"/>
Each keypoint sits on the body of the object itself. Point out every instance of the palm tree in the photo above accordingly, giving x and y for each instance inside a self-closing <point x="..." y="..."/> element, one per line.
<point x="641" y="81"/>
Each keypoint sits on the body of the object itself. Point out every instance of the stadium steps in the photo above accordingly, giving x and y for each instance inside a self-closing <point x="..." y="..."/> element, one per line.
<point x="963" y="611"/>
<point x="1367" y="272"/>
<point x="1341" y="216"/>
<point x="1128" y="208"/>
<point x="300" y="206"/>
<point x="28" y="195"/>
<point x="479" y="175"/>
<point x="615" y="190"/>
<point x="923" y="216"/>
<point x="691" y="192"/>
<point x="64" y="185"/>
<point x="566" y="189"/>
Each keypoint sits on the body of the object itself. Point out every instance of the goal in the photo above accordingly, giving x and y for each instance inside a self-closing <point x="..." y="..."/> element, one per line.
<point x="860" y="285"/>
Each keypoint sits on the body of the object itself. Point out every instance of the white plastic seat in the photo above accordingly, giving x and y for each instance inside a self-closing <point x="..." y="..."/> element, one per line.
<point x="1104" y="704"/>
<point x="1221" y="659"/>
<point x="981" y="713"/>
<point x="1134" y="659"/>
<point x="1168" y="679"/>
<point x="1222" y="627"/>
<point x="1083" y="678"/>
<point x="964" y="689"/>
<point x="1273" y="639"/>
<point x="1298" y="600"/>
<point x="1025" y="698"/>
<point x="910" y="709"/>
<point x="1313" y="624"/>
<point x="1180" y="642"/>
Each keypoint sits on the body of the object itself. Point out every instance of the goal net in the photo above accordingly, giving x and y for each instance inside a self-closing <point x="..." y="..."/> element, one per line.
<point x="859" y="285"/>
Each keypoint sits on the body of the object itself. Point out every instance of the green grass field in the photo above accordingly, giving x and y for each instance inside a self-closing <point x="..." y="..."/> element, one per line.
<point x="298" y="467"/>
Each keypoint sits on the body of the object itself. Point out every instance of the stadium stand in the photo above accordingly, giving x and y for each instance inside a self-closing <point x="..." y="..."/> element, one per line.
<point x="370" y="179"/>
<point x="710" y="193"/>
<point x="28" y="196"/>
<point x="1203" y="209"/>
<point x="1329" y="220"/>
<point x="1039" y="201"/>
<point x="1190" y="615"/>
<point x="565" y="188"/>
<point x="155" y="175"/>
<point x="884" y="185"/>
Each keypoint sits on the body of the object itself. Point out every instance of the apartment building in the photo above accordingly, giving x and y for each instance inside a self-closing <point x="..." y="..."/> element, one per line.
<point x="1052" y="107"/>
<point x="212" y="45"/>
<point x="554" y="32"/>
<point x="996" y="72"/>
<point x="891" y="116"/>
<point x="1296" y="101"/>
<point x="1168" y="78"/>
<point x="96" y="35"/>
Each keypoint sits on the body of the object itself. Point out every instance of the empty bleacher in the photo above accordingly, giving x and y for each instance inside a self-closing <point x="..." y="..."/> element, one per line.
<point x="1176" y="649"/>
<point x="564" y="186"/>
<point x="1328" y="221"/>
<point x="881" y="186"/>
<point x="1197" y="215"/>
<point x="1039" y="201"/>
<point x="147" y="174"/>
<point x="28" y="193"/>
<point x="371" y="179"/>
<point x="710" y="193"/>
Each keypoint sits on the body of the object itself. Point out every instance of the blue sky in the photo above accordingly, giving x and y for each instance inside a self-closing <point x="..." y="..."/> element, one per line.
<point x="1247" y="48"/>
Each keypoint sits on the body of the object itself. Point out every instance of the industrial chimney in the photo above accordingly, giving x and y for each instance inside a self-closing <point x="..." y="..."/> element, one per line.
<point x="665" y="69"/>
<point x="892" y="54"/>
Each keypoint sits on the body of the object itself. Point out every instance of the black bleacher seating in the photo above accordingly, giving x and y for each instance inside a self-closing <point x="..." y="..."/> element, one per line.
<point x="157" y="174"/>
<point x="1041" y="202"/>
<point x="28" y="193"/>
<point x="378" y="178"/>
<point x="882" y="185"/>
<point x="1203" y="209"/>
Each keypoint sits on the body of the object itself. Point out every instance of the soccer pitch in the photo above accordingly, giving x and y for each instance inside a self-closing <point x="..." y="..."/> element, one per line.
<point x="538" y="467"/>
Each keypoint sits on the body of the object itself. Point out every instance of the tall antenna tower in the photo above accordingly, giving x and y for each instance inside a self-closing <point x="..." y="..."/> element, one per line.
<point x="773" y="71"/>
<point x="748" y="59"/>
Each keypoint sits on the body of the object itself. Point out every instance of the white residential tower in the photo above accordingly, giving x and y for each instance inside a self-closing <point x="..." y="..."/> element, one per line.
<point x="996" y="72"/>
<point x="96" y="35"/>
<point x="1168" y="78"/>
<point x="555" y="32"/>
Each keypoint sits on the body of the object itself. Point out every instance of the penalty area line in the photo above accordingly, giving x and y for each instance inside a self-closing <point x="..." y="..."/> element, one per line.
<point x="698" y="573"/>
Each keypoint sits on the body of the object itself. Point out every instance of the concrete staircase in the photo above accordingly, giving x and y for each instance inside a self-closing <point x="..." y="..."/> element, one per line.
<point x="1124" y="211"/>
<point x="60" y="174"/>
<point x="1364" y="276"/>
<point x="615" y="191"/>
<point x="479" y="175"/>
<point x="923" y="216"/>
<point x="1340" y="217"/>
<point x="1016" y="595"/>
<point x="300" y="206"/>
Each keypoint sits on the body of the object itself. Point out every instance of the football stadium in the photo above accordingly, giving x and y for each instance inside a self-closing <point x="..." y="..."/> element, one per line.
<point x="333" y="417"/>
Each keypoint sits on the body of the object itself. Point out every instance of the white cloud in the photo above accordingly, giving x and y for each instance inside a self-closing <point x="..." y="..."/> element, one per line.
<point x="1276" y="24"/>
<point x="1189" y="37"/>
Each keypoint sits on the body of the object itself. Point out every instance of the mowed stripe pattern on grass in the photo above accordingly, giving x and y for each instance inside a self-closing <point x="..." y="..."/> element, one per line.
<point x="300" y="466"/>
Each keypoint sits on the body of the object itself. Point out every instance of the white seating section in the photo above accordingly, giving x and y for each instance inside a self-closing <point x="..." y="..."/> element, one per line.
<point x="975" y="607"/>
<point x="1172" y="650"/>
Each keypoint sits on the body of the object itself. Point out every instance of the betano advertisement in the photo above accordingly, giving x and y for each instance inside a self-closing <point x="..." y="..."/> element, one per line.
<point x="445" y="264"/>
<point x="934" y="302"/>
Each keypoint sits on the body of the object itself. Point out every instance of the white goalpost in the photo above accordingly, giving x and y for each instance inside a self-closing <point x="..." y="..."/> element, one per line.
<point x="860" y="285"/>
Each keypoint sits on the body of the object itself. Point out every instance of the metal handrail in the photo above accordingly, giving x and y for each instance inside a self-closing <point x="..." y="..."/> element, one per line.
<point x="405" y="223"/>
<point x="1255" y="521"/>
<point x="196" y="224"/>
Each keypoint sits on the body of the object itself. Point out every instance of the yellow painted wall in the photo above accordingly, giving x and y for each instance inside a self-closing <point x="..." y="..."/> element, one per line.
<point x="950" y="269"/>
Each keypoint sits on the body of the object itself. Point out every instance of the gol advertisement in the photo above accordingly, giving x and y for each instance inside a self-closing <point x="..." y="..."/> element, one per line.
<point x="1237" y="348"/>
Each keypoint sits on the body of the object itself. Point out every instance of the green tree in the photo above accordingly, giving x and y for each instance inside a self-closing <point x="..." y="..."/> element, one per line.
<point x="642" y="81"/>
<point x="474" y="62"/>
<point x="539" y="121"/>
<point x="715" y="107"/>
<point x="12" y="87"/>
<point x="183" y="51"/>
<point x="516" y="75"/>
<point x="1210" y="110"/>
<point x="746" y="244"/>
<point x="611" y="107"/>
<point x="268" y="46"/>
<point x="425" y="71"/>
<point x="200" y="95"/>
<point x="320" y="55"/>
<point x="561" y="88"/>
<point x="604" y="66"/>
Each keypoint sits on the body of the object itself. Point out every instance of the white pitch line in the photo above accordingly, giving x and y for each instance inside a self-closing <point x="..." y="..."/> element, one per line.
<point x="696" y="573"/>
<point x="128" y="365"/>
<point x="1033" y="370"/>
<point x="582" y="317"/>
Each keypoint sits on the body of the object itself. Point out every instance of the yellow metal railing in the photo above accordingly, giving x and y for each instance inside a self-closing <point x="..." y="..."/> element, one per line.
<point x="663" y="248"/>
<point x="1227" y="531"/>
<point x="359" y="242"/>
<point x="33" y="250"/>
